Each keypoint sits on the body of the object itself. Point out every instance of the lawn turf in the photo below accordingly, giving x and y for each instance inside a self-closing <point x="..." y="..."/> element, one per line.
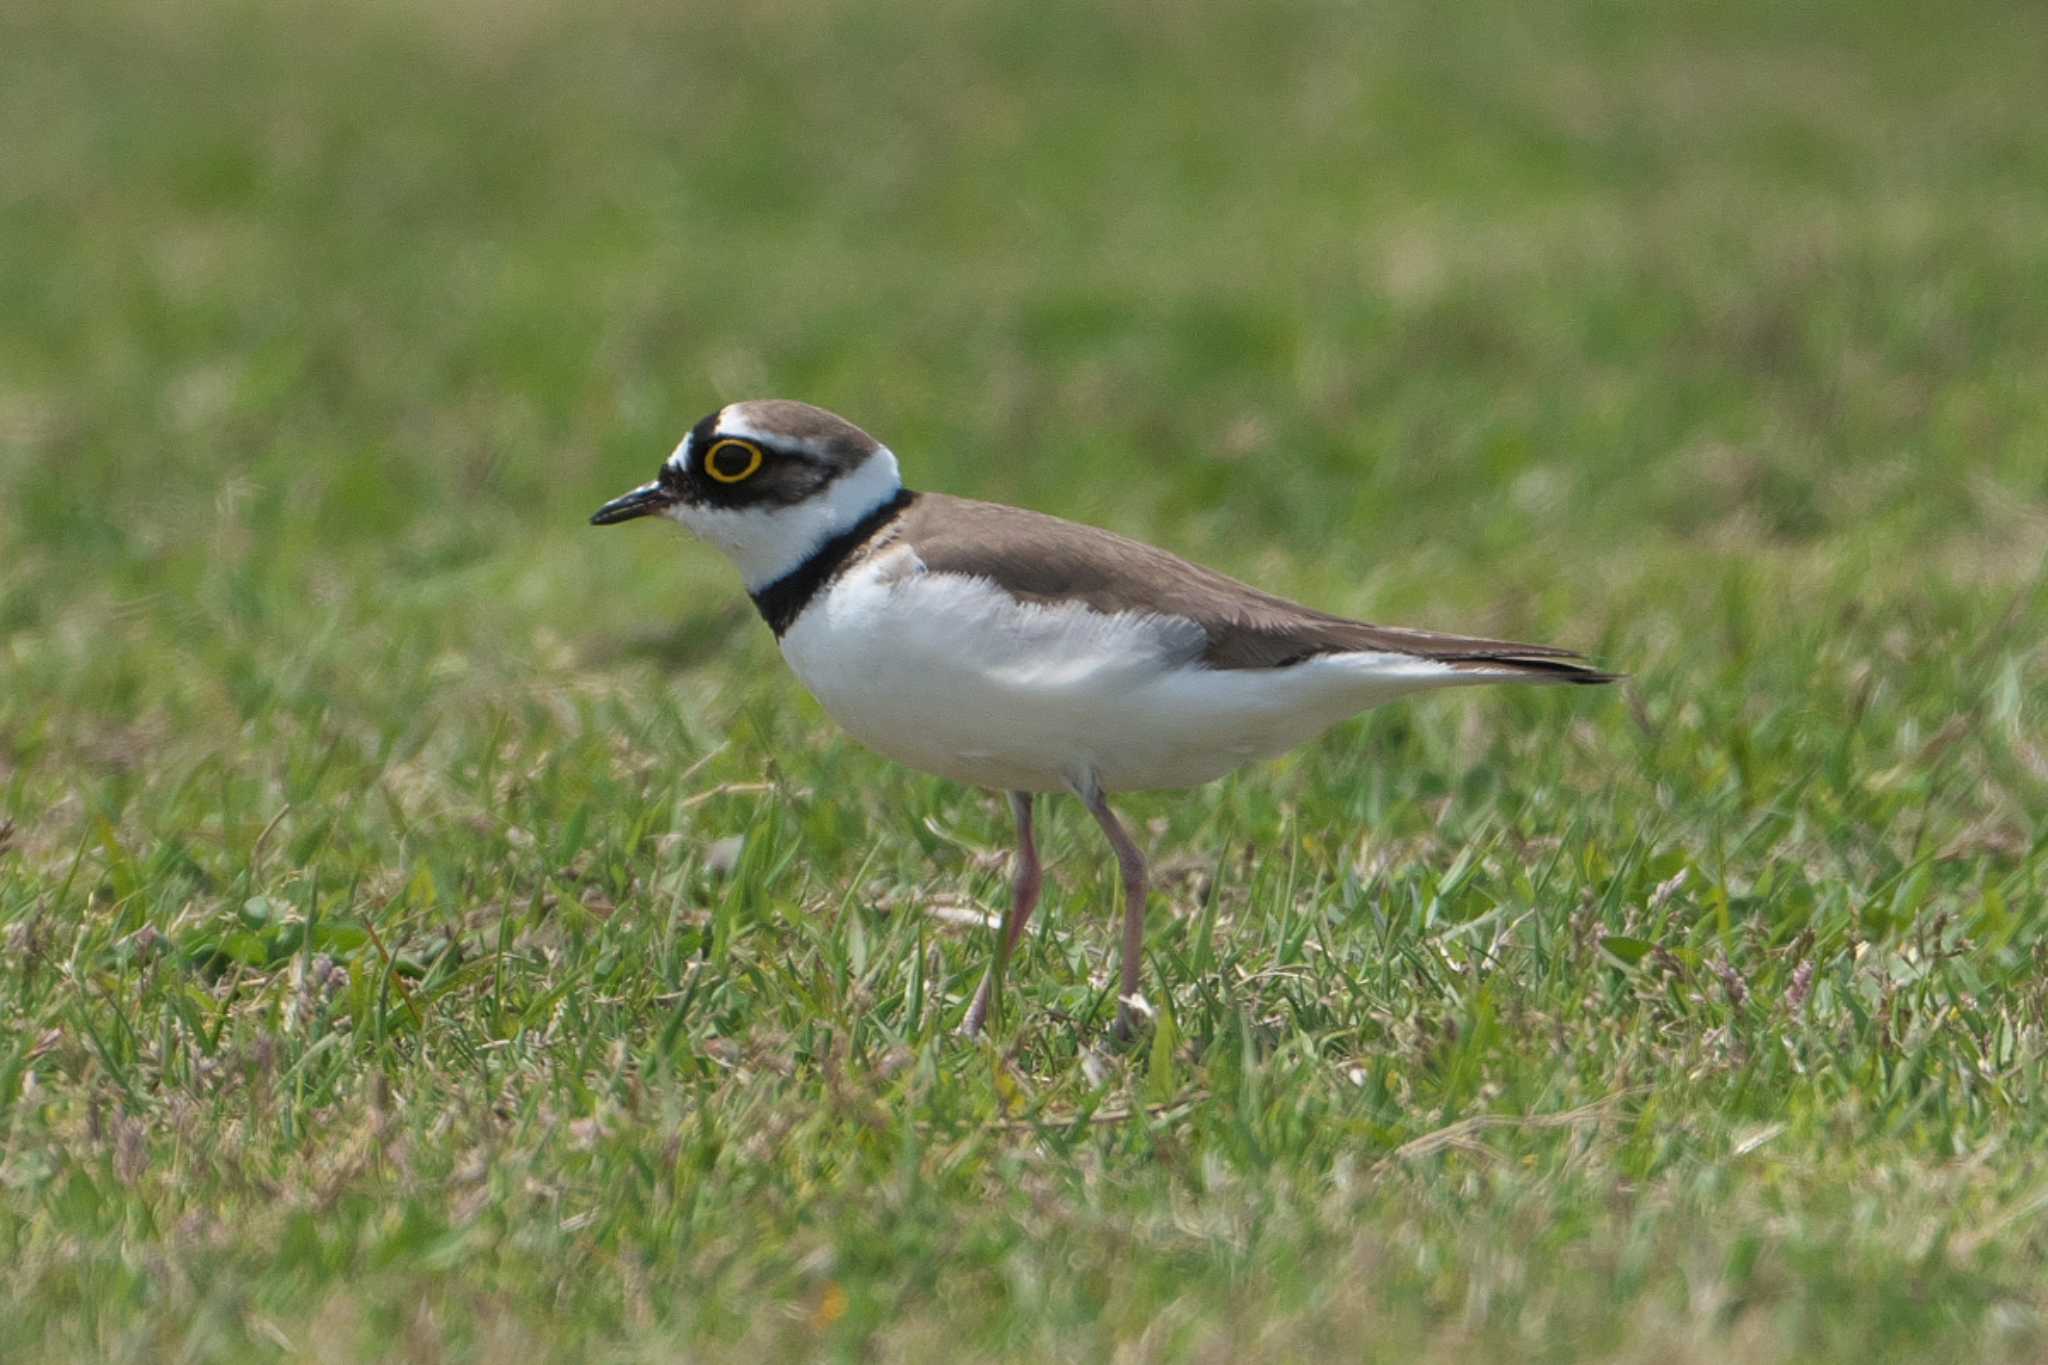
<point x="435" y="930"/>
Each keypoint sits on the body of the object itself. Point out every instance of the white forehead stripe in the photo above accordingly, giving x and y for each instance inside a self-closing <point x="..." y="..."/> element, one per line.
<point x="679" y="458"/>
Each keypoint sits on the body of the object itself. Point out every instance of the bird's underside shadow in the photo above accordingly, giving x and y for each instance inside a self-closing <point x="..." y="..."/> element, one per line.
<point x="689" y="643"/>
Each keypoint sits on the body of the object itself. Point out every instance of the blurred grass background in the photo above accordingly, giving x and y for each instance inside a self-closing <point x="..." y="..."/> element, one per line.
<point x="435" y="930"/>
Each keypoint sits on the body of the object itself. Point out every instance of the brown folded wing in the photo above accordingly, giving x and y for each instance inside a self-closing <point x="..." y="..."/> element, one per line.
<point x="1042" y="559"/>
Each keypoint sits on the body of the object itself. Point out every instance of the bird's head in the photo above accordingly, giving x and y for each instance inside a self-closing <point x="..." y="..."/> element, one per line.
<point x="767" y="482"/>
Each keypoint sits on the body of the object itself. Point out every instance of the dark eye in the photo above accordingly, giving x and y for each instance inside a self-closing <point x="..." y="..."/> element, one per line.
<point x="729" y="461"/>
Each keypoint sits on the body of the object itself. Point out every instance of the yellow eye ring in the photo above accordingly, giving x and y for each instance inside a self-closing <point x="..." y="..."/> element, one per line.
<point x="750" y="451"/>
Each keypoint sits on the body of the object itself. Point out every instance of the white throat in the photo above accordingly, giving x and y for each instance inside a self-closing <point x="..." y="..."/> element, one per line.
<point x="765" y="543"/>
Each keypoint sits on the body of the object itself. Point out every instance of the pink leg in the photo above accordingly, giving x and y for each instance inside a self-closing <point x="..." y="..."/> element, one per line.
<point x="1023" y="899"/>
<point x="1132" y="864"/>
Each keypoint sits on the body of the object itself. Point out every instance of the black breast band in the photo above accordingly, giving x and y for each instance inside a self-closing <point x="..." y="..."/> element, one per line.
<point x="782" y="601"/>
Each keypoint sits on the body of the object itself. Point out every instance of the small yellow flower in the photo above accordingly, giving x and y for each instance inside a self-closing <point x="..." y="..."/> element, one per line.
<point x="831" y="1307"/>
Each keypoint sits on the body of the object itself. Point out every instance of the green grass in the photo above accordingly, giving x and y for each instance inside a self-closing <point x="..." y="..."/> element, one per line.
<point x="382" y="978"/>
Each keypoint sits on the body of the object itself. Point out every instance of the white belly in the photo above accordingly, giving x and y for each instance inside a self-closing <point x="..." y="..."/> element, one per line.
<point x="953" y="676"/>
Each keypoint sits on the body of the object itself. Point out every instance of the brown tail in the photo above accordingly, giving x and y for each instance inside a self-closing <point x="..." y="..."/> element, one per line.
<point x="1561" y="667"/>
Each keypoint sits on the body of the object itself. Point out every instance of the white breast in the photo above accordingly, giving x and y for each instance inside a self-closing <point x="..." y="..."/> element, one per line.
<point x="951" y="675"/>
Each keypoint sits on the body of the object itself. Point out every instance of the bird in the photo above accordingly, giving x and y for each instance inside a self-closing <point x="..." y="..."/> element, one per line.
<point x="1026" y="654"/>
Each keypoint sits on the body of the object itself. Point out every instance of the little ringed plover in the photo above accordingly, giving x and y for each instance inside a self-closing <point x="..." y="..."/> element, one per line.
<point x="1016" y="651"/>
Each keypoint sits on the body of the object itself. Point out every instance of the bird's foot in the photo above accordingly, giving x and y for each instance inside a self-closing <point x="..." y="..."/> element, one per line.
<point x="1129" y="1009"/>
<point x="977" y="1014"/>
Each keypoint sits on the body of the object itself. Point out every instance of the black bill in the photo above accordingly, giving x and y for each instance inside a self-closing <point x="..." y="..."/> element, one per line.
<point x="644" y="501"/>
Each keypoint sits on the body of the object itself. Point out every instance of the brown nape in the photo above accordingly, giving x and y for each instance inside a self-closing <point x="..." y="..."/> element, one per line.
<point x="1042" y="559"/>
